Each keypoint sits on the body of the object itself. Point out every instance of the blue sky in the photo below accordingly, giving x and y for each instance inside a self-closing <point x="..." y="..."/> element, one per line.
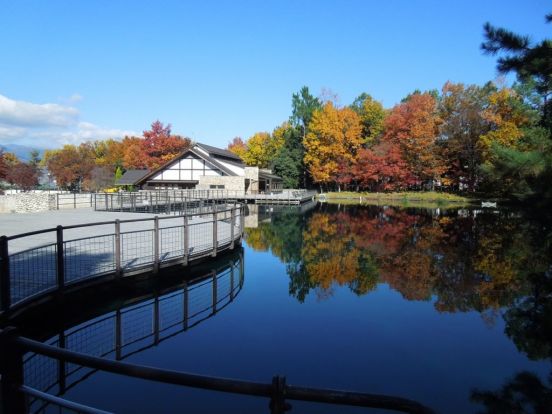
<point x="82" y="70"/>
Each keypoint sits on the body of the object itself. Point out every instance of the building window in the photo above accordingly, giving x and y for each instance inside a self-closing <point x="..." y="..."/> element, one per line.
<point x="216" y="187"/>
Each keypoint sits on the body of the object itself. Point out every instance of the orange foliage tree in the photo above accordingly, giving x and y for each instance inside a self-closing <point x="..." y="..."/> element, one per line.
<point x="237" y="146"/>
<point x="70" y="165"/>
<point x="413" y="125"/>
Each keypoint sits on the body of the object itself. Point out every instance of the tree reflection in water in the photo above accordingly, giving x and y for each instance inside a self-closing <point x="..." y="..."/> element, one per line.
<point x="492" y="262"/>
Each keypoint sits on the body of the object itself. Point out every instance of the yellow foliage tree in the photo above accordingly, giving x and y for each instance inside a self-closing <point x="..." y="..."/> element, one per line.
<point x="334" y="136"/>
<point x="505" y="114"/>
<point x="262" y="147"/>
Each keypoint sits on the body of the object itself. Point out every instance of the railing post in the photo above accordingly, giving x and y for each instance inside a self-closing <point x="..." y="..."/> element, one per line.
<point x="62" y="378"/>
<point x="215" y="298"/>
<point x="118" y="335"/>
<point x="5" y="282"/>
<point x="11" y="370"/>
<point x="156" y="320"/>
<point x="155" y="244"/>
<point x="106" y="203"/>
<point x="278" y="403"/>
<point x="95" y="206"/>
<point x="242" y="220"/>
<point x="232" y="225"/>
<point x="215" y="243"/>
<point x="117" y="247"/>
<point x="74" y="200"/>
<point x="60" y="263"/>
<point x="57" y="201"/>
<point x="185" y="307"/>
<point x="231" y="281"/>
<point x="186" y="240"/>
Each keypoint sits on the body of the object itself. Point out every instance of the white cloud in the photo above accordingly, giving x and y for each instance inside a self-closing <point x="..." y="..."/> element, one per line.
<point x="86" y="131"/>
<point x="8" y="133"/>
<point x="49" y="125"/>
<point x="21" y="113"/>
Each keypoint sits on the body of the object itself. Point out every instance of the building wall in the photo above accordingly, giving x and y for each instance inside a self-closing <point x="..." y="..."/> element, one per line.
<point x="229" y="183"/>
<point x="252" y="174"/>
<point x="187" y="169"/>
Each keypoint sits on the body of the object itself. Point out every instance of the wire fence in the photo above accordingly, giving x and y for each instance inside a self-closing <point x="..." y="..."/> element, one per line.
<point x="30" y="268"/>
<point x="177" y="201"/>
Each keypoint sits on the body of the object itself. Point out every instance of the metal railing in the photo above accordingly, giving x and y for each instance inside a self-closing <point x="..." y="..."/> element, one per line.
<point x="39" y="263"/>
<point x="73" y="200"/>
<point x="133" y="328"/>
<point x="178" y="201"/>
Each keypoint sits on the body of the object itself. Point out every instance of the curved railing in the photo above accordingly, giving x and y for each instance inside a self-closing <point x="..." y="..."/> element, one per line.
<point x="43" y="262"/>
<point x="133" y="328"/>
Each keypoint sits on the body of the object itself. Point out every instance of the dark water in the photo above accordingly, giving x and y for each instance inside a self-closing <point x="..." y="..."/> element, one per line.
<point x="450" y="308"/>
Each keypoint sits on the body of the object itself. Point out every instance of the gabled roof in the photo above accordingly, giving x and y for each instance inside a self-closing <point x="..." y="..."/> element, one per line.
<point x="209" y="158"/>
<point x="131" y="177"/>
<point x="214" y="151"/>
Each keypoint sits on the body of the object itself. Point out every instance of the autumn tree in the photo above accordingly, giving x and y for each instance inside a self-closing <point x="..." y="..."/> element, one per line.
<point x="382" y="168"/>
<point x="159" y="146"/>
<point x="413" y="125"/>
<point x="506" y="116"/>
<point x="23" y="175"/>
<point x="237" y="146"/>
<point x="109" y="153"/>
<point x="262" y="148"/>
<point x="134" y="156"/>
<point x="372" y="116"/>
<point x="3" y="165"/>
<point x="334" y="137"/>
<point x="460" y="108"/>
<point x="70" y="165"/>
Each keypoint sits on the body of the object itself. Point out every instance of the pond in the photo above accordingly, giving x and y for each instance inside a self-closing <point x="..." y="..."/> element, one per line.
<point x="451" y="308"/>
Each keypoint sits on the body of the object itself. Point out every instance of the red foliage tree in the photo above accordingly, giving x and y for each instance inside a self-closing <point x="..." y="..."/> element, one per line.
<point x="160" y="146"/>
<point x="413" y="125"/>
<point x="23" y="176"/>
<point x="382" y="168"/>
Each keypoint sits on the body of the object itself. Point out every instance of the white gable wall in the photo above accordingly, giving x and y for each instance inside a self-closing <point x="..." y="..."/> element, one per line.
<point x="187" y="169"/>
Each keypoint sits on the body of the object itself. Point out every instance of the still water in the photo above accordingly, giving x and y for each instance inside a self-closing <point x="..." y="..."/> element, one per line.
<point x="451" y="308"/>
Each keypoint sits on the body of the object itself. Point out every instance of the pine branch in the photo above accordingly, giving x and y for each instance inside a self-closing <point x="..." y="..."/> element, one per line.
<point x="499" y="39"/>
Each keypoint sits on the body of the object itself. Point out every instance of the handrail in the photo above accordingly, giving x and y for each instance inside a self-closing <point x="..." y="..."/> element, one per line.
<point x="63" y="262"/>
<point x="278" y="391"/>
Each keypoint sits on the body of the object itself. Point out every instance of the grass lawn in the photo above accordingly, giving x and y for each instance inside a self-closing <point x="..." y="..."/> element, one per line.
<point x="419" y="199"/>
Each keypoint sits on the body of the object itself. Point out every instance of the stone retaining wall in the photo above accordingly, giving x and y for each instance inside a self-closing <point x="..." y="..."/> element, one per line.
<point x="27" y="202"/>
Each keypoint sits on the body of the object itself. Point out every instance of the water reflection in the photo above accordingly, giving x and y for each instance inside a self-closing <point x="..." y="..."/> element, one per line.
<point x="140" y="323"/>
<point x="498" y="263"/>
<point x="464" y="259"/>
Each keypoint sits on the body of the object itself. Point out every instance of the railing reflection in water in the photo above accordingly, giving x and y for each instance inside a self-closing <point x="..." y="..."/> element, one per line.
<point x="132" y="329"/>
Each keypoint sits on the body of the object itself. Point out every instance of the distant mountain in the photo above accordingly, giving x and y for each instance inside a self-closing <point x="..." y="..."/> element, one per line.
<point x="21" y="151"/>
